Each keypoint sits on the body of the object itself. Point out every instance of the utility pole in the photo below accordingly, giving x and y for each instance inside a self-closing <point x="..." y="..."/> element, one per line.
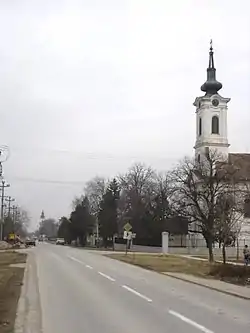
<point x="9" y="199"/>
<point x="14" y="210"/>
<point x="14" y="216"/>
<point x="2" y="186"/>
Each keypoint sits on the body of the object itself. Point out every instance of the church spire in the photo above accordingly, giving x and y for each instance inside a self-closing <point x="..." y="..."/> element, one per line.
<point x="211" y="86"/>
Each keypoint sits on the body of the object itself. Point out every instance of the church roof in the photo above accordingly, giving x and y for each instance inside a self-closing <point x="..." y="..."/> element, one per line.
<point x="237" y="167"/>
<point x="242" y="162"/>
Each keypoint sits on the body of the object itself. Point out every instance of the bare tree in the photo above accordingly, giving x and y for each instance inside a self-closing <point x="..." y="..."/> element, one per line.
<point x="77" y="201"/>
<point x="94" y="190"/>
<point x="21" y="221"/>
<point x="196" y="187"/>
<point x="137" y="188"/>
<point x="230" y="214"/>
<point x="163" y="192"/>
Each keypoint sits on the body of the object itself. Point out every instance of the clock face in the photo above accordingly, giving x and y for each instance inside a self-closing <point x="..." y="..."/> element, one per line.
<point x="215" y="102"/>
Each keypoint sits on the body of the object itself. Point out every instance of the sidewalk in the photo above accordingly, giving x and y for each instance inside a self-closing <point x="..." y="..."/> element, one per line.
<point x="221" y="286"/>
<point x="204" y="259"/>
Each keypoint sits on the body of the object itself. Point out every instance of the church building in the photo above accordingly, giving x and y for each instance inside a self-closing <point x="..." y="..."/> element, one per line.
<point x="211" y="133"/>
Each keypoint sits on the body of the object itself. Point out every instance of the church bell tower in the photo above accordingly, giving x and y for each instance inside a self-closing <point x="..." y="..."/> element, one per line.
<point x="211" y="115"/>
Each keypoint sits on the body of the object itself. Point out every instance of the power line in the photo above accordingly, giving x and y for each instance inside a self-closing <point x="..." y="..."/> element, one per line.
<point x="96" y="155"/>
<point x="50" y="181"/>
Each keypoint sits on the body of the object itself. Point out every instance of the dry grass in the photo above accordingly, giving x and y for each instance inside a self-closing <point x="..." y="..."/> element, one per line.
<point x="10" y="288"/>
<point x="165" y="263"/>
<point x="175" y="264"/>
<point x="220" y="258"/>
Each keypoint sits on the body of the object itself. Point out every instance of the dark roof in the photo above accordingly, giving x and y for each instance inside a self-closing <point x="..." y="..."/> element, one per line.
<point x="242" y="162"/>
<point x="237" y="167"/>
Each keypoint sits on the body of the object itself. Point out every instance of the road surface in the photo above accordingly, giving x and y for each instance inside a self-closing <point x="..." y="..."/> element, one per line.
<point x="81" y="291"/>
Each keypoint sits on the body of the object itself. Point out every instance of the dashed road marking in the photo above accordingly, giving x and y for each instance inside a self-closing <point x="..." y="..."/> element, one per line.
<point x="76" y="260"/>
<point x="137" y="293"/>
<point x="88" y="266"/>
<point x="106" y="276"/>
<point x="190" y="322"/>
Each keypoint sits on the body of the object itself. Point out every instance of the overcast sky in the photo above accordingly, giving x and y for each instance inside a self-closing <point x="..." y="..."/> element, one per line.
<point x="88" y="87"/>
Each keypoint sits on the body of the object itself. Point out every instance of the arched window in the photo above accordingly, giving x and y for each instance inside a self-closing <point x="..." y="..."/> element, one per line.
<point x="200" y="126"/>
<point x="215" y="125"/>
<point x="199" y="158"/>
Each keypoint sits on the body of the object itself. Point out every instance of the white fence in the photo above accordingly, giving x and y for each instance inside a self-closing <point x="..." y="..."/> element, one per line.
<point x="198" y="251"/>
<point x="189" y="245"/>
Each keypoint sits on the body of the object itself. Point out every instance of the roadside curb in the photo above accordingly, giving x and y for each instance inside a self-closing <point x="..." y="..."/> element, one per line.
<point x="206" y="286"/>
<point x="21" y="306"/>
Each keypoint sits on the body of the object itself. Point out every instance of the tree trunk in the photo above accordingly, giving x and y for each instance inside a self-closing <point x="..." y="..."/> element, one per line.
<point x="209" y="242"/>
<point x="224" y="253"/>
<point x="238" y="248"/>
<point x="210" y="252"/>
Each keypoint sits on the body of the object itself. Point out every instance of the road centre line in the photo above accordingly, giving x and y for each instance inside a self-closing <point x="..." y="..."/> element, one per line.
<point x="190" y="322"/>
<point x="106" y="276"/>
<point x="137" y="293"/>
<point x="76" y="260"/>
<point x="133" y="291"/>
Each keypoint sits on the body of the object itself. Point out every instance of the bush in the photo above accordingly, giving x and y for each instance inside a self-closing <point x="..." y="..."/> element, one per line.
<point x="231" y="273"/>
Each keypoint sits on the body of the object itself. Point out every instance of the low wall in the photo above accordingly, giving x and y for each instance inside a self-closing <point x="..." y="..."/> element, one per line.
<point x="200" y="251"/>
<point x="139" y="248"/>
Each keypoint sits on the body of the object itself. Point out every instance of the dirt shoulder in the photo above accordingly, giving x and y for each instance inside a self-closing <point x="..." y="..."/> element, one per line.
<point x="175" y="264"/>
<point x="10" y="287"/>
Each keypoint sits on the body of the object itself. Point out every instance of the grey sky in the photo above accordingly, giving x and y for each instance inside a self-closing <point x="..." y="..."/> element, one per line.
<point x="88" y="87"/>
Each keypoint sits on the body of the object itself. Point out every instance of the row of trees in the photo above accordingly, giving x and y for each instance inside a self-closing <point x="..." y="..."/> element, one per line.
<point x="16" y="222"/>
<point x="139" y="197"/>
<point x="210" y="195"/>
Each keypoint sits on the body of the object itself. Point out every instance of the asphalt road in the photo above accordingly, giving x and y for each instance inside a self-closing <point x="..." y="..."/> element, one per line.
<point x="83" y="291"/>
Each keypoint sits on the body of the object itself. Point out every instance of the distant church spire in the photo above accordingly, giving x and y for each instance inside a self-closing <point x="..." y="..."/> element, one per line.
<point x="42" y="217"/>
<point x="211" y="86"/>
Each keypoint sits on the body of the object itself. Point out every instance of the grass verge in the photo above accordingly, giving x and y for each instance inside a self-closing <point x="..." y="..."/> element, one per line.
<point x="10" y="287"/>
<point x="160" y="263"/>
<point x="220" y="258"/>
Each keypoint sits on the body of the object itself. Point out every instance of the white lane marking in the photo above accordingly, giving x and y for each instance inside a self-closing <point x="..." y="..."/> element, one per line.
<point x="106" y="276"/>
<point x="136" y="293"/>
<point x="80" y="262"/>
<point x="76" y="260"/>
<point x="189" y="321"/>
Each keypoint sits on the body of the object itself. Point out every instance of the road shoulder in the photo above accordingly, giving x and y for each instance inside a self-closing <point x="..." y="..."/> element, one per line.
<point x="220" y="286"/>
<point x="187" y="270"/>
<point x="28" y="318"/>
